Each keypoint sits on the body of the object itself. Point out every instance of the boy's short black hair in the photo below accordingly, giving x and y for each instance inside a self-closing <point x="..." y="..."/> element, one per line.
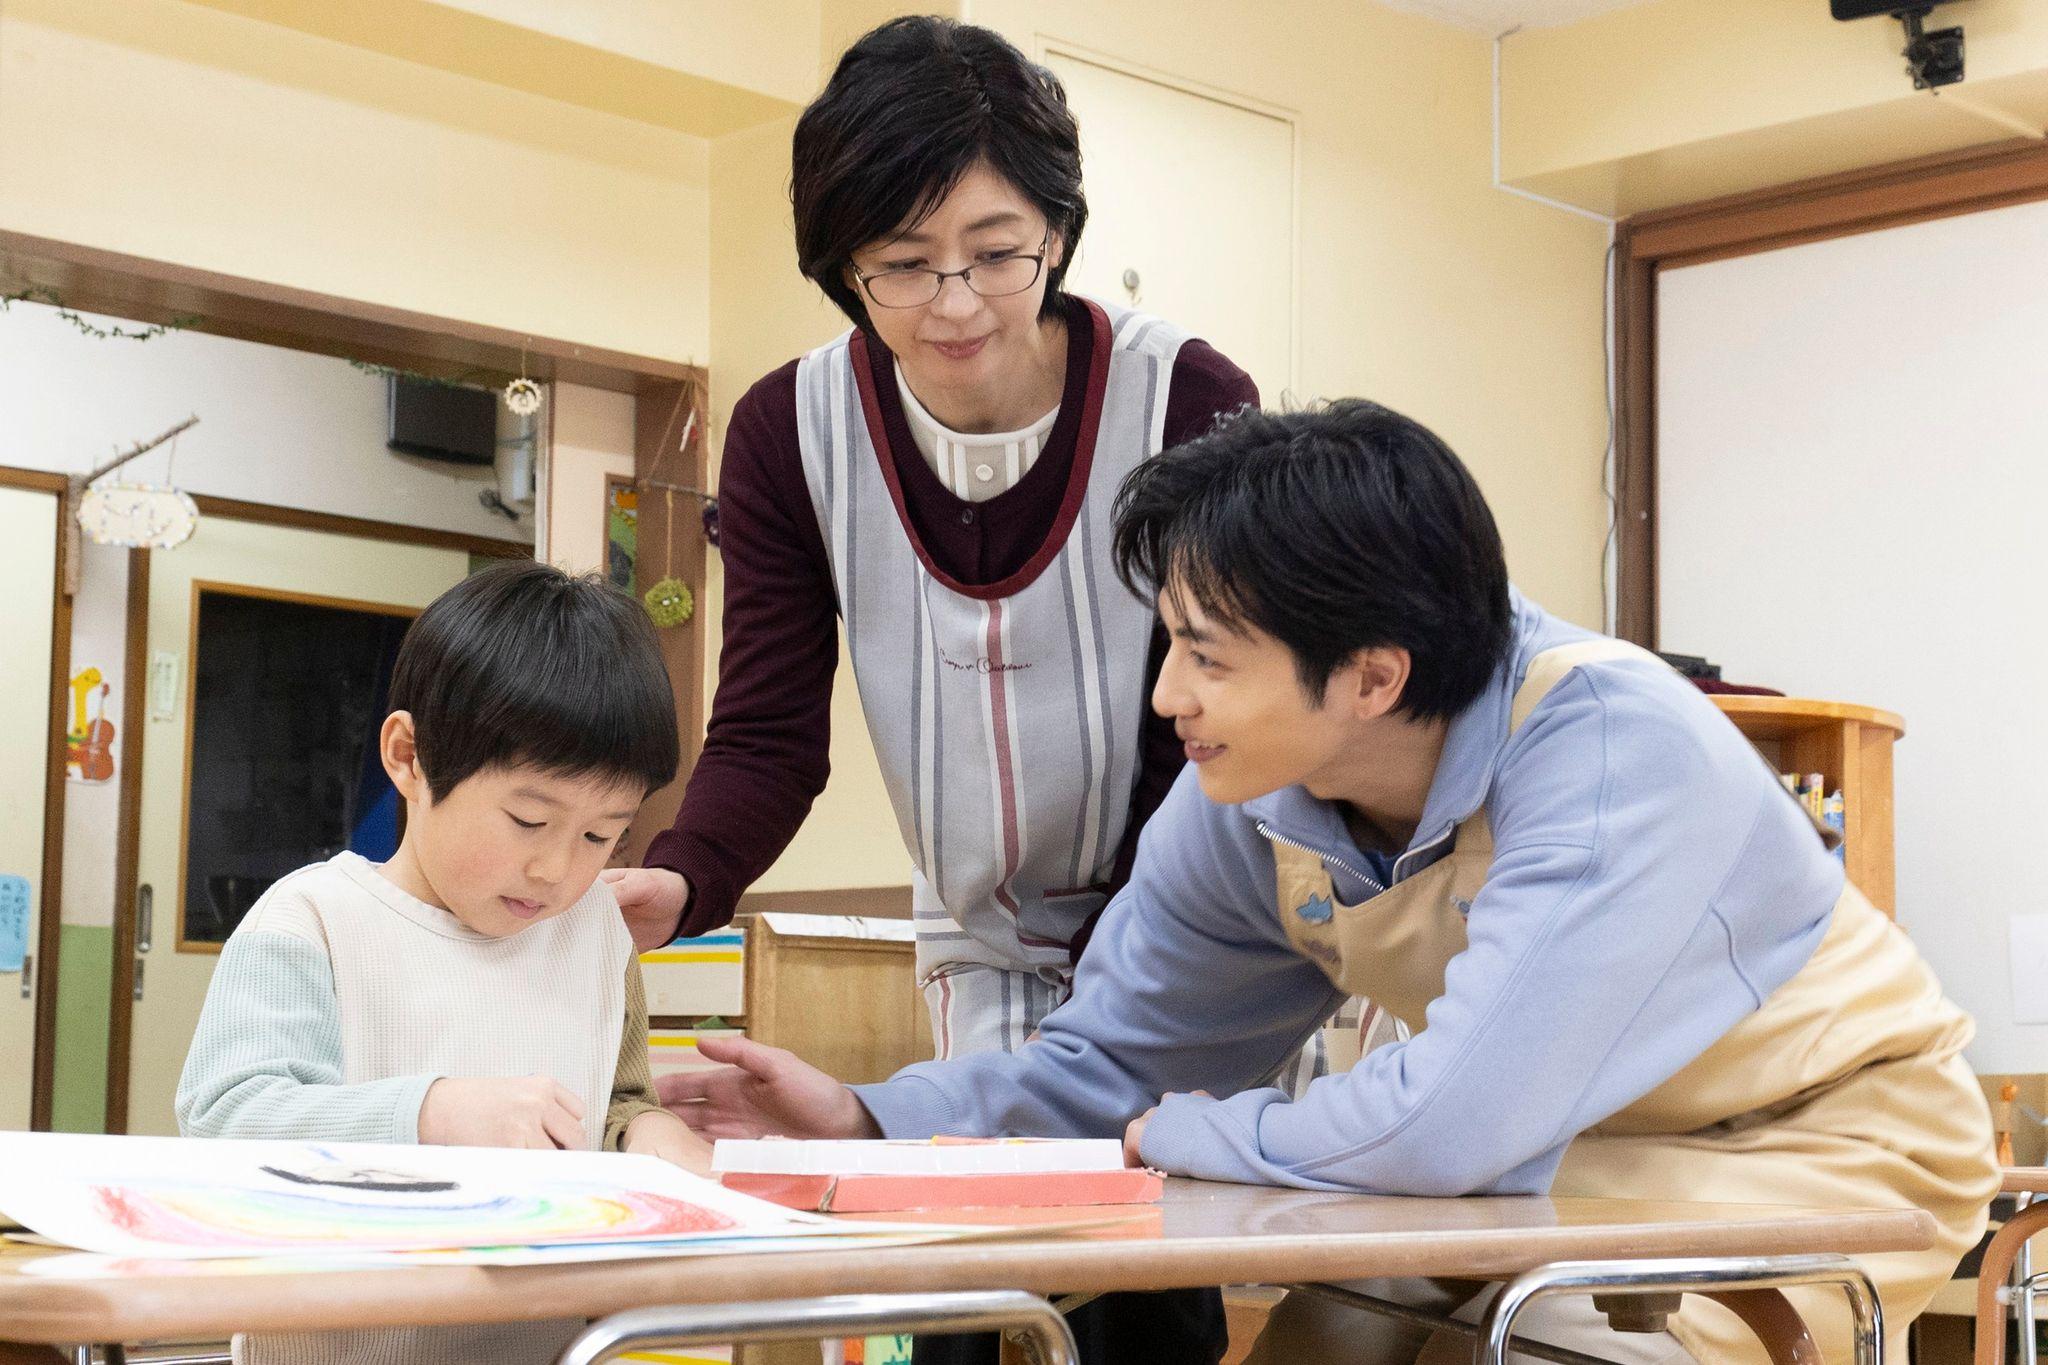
<point x="1333" y="530"/>
<point x="522" y="665"/>
<point x="913" y="106"/>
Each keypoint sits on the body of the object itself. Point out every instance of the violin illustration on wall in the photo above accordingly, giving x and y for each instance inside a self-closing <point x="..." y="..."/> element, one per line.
<point x="89" y="745"/>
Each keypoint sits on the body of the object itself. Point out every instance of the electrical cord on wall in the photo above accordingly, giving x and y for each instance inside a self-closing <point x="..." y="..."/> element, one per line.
<point x="1609" y="473"/>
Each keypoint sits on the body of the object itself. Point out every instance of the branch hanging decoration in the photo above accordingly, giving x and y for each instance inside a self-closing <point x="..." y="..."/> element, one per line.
<point x="669" y="601"/>
<point x="35" y="293"/>
<point x="137" y="515"/>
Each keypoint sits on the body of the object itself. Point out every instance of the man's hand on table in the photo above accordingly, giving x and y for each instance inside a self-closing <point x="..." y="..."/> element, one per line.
<point x="761" y="1092"/>
<point x="652" y="901"/>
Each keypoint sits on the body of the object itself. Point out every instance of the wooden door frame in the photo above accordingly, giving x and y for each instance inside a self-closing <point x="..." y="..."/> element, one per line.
<point x="1870" y="200"/>
<point x="49" y="924"/>
<point x="162" y="292"/>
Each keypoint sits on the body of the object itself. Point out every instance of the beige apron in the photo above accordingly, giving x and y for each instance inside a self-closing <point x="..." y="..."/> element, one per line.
<point x="1846" y="1088"/>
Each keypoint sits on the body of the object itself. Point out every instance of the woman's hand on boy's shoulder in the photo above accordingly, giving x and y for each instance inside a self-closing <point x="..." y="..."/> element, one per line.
<point x="651" y="899"/>
<point x="762" y="1091"/>
<point x="501" y="1111"/>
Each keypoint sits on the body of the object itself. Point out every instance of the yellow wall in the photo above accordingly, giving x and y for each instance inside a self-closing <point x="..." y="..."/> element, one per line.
<point x="763" y="314"/>
<point x="763" y="45"/>
<point x="187" y="134"/>
<point x="1476" y="312"/>
<point x="1681" y="100"/>
<point x="591" y="442"/>
<point x="707" y="67"/>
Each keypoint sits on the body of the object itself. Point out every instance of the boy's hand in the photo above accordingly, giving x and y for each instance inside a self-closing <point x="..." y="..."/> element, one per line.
<point x="1134" y="1132"/>
<point x="660" y="1133"/>
<point x="763" y="1091"/>
<point x="1134" y="1135"/>
<point x="652" y="900"/>
<point x="501" y="1111"/>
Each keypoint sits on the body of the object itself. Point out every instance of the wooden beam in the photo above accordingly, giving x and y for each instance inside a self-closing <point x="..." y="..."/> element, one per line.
<point x="97" y="281"/>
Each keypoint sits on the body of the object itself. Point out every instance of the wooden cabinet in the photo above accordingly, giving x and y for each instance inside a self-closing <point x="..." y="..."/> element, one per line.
<point x="847" y="1005"/>
<point x="1851" y="746"/>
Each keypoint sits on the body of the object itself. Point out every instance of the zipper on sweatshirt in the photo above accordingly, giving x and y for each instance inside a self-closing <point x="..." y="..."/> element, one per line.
<point x="1366" y="877"/>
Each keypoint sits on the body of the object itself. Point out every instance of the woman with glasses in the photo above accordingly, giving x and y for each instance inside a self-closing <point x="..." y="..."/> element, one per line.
<point x="939" y="481"/>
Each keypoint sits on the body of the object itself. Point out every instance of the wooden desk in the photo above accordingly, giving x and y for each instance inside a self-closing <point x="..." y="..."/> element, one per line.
<point x="1202" y="1234"/>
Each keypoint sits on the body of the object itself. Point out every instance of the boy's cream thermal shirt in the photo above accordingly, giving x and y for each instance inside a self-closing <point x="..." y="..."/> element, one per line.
<point x="340" y="999"/>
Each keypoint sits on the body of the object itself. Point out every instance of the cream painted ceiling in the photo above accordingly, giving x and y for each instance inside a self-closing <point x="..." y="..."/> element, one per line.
<point x="1498" y="16"/>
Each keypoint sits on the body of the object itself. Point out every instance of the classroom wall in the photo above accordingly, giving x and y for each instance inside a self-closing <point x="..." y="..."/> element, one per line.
<point x="278" y="426"/>
<point x="593" y="441"/>
<point x="1419" y="285"/>
<point x="1681" y="100"/>
<point x="763" y="314"/>
<point x="183" y="133"/>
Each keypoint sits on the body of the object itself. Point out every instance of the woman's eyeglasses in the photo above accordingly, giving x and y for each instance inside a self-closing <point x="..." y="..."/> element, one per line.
<point x="917" y="286"/>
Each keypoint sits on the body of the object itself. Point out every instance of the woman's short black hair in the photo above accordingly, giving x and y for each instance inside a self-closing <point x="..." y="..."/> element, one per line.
<point x="1336" y="529"/>
<point x="522" y="665"/>
<point x="912" y="107"/>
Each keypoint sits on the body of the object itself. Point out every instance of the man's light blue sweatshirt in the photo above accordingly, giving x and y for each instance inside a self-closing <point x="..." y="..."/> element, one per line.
<point x="1652" y="882"/>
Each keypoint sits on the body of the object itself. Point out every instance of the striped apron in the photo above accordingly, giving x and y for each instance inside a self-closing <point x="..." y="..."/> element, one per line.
<point x="1006" y="718"/>
<point x="1846" y="1088"/>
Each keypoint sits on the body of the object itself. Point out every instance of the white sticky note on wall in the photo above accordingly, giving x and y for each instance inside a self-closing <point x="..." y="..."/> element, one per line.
<point x="2029" y="962"/>
<point x="13" y="922"/>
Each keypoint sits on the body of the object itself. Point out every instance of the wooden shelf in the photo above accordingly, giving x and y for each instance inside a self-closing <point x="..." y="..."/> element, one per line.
<point x="1851" y="747"/>
<point x="1776" y="717"/>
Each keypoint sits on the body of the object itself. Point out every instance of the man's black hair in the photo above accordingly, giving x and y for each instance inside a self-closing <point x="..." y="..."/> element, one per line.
<point x="912" y="107"/>
<point x="1333" y="530"/>
<point x="522" y="665"/>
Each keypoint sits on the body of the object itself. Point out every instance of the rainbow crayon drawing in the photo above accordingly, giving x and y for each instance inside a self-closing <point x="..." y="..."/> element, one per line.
<point x="187" y="1198"/>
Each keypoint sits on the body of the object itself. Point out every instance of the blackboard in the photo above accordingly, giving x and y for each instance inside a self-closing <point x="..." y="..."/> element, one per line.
<point x="288" y="695"/>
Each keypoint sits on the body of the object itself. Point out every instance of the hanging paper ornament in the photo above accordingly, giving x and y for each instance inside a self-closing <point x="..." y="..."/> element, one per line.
<point x="711" y="522"/>
<point x="523" y="396"/>
<point x="670" y="602"/>
<point x="137" y="516"/>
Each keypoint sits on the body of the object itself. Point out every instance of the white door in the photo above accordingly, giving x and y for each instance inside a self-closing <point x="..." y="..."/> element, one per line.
<point x="1190" y="213"/>
<point x="28" y="566"/>
<point x="172" y="974"/>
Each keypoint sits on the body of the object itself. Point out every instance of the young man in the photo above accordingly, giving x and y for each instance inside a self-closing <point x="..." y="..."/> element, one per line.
<point x="1631" y="967"/>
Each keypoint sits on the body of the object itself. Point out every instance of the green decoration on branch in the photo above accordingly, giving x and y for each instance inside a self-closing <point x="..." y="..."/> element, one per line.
<point x="468" y="379"/>
<point x="670" y="602"/>
<point x="35" y="293"/>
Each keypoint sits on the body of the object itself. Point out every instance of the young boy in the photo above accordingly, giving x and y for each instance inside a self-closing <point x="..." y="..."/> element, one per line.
<point x="1630" y="967"/>
<point x="479" y="989"/>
